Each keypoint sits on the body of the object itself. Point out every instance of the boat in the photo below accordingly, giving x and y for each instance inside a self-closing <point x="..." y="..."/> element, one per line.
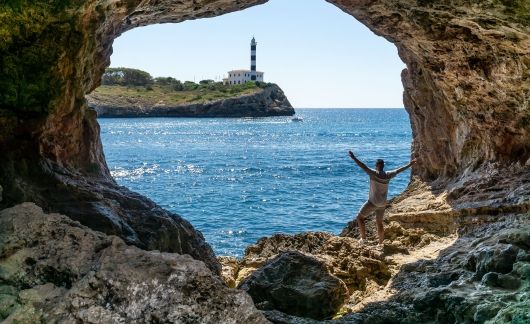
<point x="297" y="119"/>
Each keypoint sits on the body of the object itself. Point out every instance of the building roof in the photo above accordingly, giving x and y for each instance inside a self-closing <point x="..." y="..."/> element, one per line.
<point x="243" y="71"/>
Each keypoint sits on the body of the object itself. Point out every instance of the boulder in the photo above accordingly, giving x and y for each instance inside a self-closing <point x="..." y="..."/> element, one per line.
<point x="358" y="266"/>
<point x="298" y="285"/>
<point x="54" y="269"/>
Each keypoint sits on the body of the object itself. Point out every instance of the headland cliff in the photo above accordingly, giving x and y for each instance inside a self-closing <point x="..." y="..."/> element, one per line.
<point x="267" y="100"/>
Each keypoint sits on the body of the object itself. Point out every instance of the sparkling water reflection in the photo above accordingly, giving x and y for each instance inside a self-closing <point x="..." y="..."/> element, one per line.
<point x="237" y="180"/>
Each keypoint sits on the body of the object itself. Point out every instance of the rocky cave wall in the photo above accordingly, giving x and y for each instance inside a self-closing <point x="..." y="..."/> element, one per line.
<point x="467" y="82"/>
<point x="466" y="88"/>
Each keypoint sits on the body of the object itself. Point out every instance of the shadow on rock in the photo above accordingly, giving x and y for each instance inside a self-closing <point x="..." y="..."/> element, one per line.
<point x="483" y="276"/>
<point x="55" y="270"/>
<point x="296" y="284"/>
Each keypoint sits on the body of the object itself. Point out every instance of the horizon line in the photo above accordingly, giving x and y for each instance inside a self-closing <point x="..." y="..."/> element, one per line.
<point x="349" y="107"/>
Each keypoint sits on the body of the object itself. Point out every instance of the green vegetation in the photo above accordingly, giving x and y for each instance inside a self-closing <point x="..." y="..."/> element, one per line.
<point x="123" y="86"/>
<point x="126" y="76"/>
<point x="33" y="35"/>
<point x="519" y="10"/>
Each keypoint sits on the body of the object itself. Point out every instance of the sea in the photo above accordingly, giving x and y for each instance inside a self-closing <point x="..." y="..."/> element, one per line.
<point x="239" y="179"/>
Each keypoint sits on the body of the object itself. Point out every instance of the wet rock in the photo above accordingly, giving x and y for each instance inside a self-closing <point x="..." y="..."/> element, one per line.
<point x="518" y="238"/>
<point x="65" y="272"/>
<point x="8" y="303"/>
<point x="518" y="312"/>
<point x="522" y="269"/>
<point x="429" y="300"/>
<point x="444" y="278"/>
<point x="298" y="285"/>
<point x="499" y="258"/>
<point x="523" y="256"/>
<point x="494" y="279"/>
<point x="487" y="311"/>
<point x="278" y="317"/>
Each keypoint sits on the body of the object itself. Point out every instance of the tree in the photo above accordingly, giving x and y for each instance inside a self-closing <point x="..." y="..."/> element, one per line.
<point x="136" y="77"/>
<point x="190" y="85"/>
<point x="206" y="81"/>
<point x="178" y="86"/>
<point x="126" y="77"/>
<point x="166" y="81"/>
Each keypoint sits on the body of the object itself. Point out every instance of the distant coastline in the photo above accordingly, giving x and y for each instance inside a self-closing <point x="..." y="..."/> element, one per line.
<point x="119" y="101"/>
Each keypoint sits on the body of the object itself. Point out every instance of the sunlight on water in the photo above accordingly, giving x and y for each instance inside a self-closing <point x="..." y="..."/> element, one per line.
<point x="237" y="180"/>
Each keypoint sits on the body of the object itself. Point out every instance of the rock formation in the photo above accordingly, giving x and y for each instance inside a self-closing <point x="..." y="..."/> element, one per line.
<point x="483" y="276"/>
<point x="466" y="89"/>
<point x="268" y="101"/>
<point x="356" y="265"/>
<point x="53" y="269"/>
<point x="296" y="284"/>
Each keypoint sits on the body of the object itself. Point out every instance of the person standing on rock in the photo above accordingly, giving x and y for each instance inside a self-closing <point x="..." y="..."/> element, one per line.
<point x="379" y="180"/>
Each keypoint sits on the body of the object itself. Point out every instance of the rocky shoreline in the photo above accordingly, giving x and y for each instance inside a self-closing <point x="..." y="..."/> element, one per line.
<point x="475" y="275"/>
<point x="55" y="269"/>
<point x="266" y="102"/>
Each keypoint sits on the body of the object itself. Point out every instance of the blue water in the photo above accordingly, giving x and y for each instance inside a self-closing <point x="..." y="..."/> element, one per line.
<point x="237" y="180"/>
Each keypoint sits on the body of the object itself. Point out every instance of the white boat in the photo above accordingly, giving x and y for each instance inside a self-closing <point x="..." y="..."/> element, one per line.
<point x="297" y="119"/>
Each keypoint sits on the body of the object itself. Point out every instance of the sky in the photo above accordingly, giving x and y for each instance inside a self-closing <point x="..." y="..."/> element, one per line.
<point x="320" y="56"/>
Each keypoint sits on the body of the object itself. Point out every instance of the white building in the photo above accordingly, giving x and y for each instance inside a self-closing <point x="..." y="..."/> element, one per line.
<point x="243" y="76"/>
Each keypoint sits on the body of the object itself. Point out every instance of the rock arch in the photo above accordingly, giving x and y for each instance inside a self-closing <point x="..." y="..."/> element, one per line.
<point x="467" y="90"/>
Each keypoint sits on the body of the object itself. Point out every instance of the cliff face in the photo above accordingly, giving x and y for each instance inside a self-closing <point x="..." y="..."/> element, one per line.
<point x="269" y="101"/>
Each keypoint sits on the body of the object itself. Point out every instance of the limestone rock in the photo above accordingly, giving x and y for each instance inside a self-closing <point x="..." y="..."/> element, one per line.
<point x="269" y="101"/>
<point x="230" y="268"/>
<point x="454" y="286"/>
<point x="355" y="264"/>
<point x="54" y="269"/>
<point x="296" y="284"/>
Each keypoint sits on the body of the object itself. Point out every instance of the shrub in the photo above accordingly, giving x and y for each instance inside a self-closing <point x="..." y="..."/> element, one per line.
<point x="126" y="77"/>
<point x="189" y="85"/>
<point x="166" y="81"/>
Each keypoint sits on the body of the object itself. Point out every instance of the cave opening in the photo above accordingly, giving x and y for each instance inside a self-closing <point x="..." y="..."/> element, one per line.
<point x="470" y="129"/>
<point x="213" y="171"/>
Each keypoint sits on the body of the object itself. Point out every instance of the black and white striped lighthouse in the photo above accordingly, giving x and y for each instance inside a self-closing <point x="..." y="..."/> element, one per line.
<point x="253" y="59"/>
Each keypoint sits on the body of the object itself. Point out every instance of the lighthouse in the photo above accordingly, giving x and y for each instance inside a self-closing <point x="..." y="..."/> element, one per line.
<point x="253" y="59"/>
<point x="243" y="76"/>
